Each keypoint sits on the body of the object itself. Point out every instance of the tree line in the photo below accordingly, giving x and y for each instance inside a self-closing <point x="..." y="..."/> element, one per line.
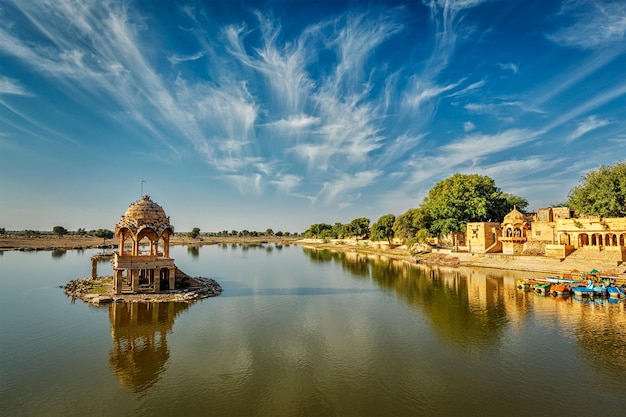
<point x="463" y="198"/>
<point x="448" y="207"/>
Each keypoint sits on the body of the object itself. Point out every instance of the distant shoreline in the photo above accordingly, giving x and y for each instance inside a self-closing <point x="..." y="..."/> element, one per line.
<point x="540" y="264"/>
<point x="50" y="242"/>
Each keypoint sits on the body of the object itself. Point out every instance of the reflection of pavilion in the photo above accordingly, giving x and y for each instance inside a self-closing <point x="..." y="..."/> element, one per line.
<point x="140" y="347"/>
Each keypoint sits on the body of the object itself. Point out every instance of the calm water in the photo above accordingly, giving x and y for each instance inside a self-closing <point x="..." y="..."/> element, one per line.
<point x="300" y="332"/>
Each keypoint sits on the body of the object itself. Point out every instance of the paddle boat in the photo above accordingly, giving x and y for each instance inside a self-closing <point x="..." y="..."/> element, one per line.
<point x="523" y="284"/>
<point x="584" y="291"/>
<point x="542" y="288"/>
<point x="560" y="289"/>
<point x="615" y="292"/>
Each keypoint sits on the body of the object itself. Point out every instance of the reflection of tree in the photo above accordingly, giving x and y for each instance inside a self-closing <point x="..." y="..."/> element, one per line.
<point x="319" y="256"/>
<point x="445" y="297"/>
<point x="194" y="251"/>
<point x="58" y="253"/>
<point x="603" y="343"/>
<point x="350" y="261"/>
<point x="140" y="347"/>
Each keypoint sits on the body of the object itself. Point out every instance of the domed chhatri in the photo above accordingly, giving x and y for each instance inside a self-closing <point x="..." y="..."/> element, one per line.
<point x="144" y="222"/>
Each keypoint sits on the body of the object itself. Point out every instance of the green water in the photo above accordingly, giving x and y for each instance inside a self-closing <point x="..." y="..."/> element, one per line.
<point x="301" y="332"/>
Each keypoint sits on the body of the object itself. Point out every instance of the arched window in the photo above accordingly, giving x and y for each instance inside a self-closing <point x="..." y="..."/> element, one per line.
<point x="583" y="239"/>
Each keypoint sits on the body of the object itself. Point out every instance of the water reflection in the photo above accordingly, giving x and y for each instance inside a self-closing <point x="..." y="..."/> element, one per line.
<point x="193" y="251"/>
<point x="139" y="332"/>
<point x="601" y="335"/>
<point x="58" y="253"/>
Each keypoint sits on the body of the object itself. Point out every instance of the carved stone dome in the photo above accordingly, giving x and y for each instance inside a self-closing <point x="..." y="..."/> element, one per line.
<point x="142" y="214"/>
<point x="514" y="216"/>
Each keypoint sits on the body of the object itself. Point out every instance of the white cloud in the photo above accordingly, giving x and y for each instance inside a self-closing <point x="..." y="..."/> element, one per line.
<point x="296" y="122"/>
<point x="421" y="94"/>
<point x="346" y="183"/>
<point x="586" y="126"/>
<point x="11" y="86"/>
<point x="286" y="182"/>
<point x="597" y="24"/>
<point x="177" y="59"/>
<point x="509" y="66"/>
<point x="468" y="126"/>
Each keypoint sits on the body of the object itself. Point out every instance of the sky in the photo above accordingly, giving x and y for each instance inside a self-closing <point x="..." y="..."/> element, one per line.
<point x="281" y="114"/>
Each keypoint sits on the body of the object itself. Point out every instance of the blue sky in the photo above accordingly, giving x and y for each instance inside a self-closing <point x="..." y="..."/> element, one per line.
<point x="280" y="114"/>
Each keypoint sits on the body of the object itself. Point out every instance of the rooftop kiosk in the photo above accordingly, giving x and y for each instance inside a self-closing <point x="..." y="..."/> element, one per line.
<point x="144" y="225"/>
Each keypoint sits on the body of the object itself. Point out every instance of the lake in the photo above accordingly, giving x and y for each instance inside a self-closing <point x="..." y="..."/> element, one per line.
<point x="299" y="332"/>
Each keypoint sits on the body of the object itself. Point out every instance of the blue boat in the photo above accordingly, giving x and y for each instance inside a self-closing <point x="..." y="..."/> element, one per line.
<point x="584" y="291"/>
<point x="615" y="292"/>
<point x="590" y="290"/>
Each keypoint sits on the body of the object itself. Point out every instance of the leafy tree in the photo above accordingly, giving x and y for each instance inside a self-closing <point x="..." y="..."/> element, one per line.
<point x="59" y="230"/>
<point x="269" y="232"/>
<point x="602" y="192"/>
<point x="383" y="228"/>
<point x="407" y="225"/>
<point x="358" y="228"/>
<point x="104" y="234"/>
<point x="317" y="230"/>
<point x="515" y="201"/>
<point x="338" y="231"/>
<point x="195" y="232"/>
<point x="2" y="231"/>
<point x="463" y="198"/>
<point x="279" y="233"/>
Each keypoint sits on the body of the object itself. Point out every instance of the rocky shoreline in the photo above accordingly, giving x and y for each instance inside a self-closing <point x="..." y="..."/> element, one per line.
<point x="100" y="291"/>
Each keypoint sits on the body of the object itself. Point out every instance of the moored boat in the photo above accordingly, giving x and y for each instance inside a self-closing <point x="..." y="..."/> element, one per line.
<point x="560" y="290"/>
<point x="583" y="291"/>
<point x="542" y="288"/>
<point x="523" y="284"/>
<point x="615" y="292"/>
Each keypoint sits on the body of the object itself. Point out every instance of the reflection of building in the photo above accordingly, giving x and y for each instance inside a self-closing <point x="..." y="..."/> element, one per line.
<point x="144" y="222"/>
<point x="140" y="347"/>
<point x="553" y="232"/>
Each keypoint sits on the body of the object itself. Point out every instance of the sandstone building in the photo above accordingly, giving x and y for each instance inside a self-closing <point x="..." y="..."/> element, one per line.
<point x="554" y="232"/>
<point x="144" y="225"/>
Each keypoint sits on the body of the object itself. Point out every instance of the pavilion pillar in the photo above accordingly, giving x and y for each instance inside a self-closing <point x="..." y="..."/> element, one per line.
<point x="172" y="278"/>
<point x="117" y="281"/>
<point x="156" y="279"/>
<point x="94" y="267"/>
<point x="134" y="273"/>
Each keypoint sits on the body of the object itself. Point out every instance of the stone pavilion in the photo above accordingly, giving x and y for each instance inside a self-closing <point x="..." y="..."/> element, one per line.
<point x="143" y="260"/>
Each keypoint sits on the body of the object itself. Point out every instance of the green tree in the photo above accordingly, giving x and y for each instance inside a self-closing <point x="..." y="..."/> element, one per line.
<point x="514" y="201"/>
<point x="104" y="234"/>
<point x="383" y="228"/>
<point x="195" y="232"/>
<point x="59" y="230"/>
<point x="317" y="230"/>
<point x="338" y="231"/>
<point x="269" y="232"/>
<point x="407" y="225"/>
<point x="463" y="198"/>
<point x="602" y="192"/>
<point x="358" y="228"/>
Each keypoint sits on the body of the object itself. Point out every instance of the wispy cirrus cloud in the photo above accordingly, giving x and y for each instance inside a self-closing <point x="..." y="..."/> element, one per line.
<point x="13" y="87"/>
<point x="514" y="68"/>
<point x="595" y="24"/>
<point x="177" y="59"/>
<point x="586" y="126"/>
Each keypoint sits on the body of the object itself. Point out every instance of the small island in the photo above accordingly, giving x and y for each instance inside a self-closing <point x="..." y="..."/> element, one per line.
<point x="140" y="275"/>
